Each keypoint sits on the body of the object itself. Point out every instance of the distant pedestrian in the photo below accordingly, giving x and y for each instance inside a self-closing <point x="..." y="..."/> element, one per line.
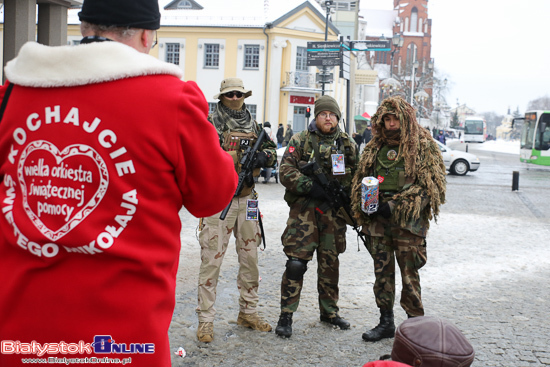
<point x="288" y="135"/>
<point x="441" y="137"/>
<point x="280" y="136"/>
<point x="358" y="139"/>
<point x="367" y="134"/>
<point x="268" y="170"/>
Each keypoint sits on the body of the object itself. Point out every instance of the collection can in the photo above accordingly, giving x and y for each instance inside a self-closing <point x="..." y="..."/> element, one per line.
<point x="369" y="194"/>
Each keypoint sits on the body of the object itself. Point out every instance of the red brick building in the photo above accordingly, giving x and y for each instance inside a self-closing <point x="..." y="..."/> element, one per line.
<point x="409" y="21"/>
<point x="413" y="23"/>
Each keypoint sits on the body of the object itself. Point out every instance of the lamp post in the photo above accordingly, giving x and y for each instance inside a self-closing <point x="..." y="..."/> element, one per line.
<point x="438" y="109"/>
<point x="414" y="67"/>
<point x="328" y="4"/>
<point x="397" y="41"/>
<point x="420" y="97"/>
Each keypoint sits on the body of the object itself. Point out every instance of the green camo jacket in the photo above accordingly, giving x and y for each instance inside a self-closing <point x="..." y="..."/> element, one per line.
<point x="299" y="151"/>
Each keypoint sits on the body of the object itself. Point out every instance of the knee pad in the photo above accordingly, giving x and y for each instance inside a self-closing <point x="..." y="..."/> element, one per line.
<point x="295" y="268"/>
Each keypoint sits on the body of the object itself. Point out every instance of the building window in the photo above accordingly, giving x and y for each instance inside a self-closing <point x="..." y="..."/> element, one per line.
<point x="251" y="56"/>
<point x="211" y="55"/>
<point x="173" y="53"/>
<point x="381" y="57"/>
<point x="345" y="5"/>
<point x="414" y="19"/>
<point x="301" y="59"/>
<point x="252" y="109"/>
<point x="184" y="4"/>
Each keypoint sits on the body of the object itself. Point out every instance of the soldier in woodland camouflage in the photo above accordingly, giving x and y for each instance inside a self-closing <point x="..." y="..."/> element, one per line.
<point x="309" y="230"/>
<point x="409" y="166"/>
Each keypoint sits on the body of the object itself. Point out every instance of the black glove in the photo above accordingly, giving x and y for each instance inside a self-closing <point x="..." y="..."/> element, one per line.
<point x="384" y="210"/>
<point x="317" y="191"/>
<point x="261" y="160"/>
<point x="249" y="180"/>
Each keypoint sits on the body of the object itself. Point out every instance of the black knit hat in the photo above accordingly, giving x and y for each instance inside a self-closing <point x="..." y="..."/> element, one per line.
<point x="143" y="14"/>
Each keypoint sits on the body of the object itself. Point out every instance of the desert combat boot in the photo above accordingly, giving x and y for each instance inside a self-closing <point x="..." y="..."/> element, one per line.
<point x="253" y="321"/>
<point x="205" y="332"/>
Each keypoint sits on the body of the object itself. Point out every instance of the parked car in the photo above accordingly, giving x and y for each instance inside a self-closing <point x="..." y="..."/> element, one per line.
<point x="458" y="162"/>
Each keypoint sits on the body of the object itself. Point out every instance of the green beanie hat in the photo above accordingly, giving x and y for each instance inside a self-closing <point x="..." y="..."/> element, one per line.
<point x="327" y="103"/>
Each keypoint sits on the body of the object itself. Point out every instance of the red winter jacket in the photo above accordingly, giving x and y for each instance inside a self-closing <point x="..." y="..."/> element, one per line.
<point x="100" y="146"/>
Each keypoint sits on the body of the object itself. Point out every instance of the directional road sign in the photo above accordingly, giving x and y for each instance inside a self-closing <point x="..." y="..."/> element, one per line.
<point x="323" y="53"/>
<point x="379" y="45"/>
<point x="324" y="78"/>
<point x="345" y="65"/>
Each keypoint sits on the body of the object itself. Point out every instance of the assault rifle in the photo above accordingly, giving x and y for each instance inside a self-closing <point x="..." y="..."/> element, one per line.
<point x="247" y="166"/>
<point x="337" y="197"/>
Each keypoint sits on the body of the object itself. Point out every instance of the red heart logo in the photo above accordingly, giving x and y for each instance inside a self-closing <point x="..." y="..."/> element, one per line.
<point x="60" y="188"/>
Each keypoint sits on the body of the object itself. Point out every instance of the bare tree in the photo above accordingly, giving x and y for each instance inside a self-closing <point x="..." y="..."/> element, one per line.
<point x="541" y="103"/>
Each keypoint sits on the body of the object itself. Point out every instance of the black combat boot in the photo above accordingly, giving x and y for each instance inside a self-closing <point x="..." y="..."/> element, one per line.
<point x="385" y="329"/>
<point x="336" y="320"/>
<point x="284" y="326"/>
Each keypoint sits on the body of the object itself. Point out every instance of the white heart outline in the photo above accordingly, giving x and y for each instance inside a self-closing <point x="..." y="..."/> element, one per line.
<point x="69" y="151"/>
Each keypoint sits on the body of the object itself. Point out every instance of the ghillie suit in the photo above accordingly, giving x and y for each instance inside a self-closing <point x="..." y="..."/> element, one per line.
<point x="423" y="192"/>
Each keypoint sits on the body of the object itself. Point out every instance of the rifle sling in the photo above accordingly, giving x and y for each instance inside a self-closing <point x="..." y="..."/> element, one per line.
<point x="261" y="229"/>
<point x="5" y="100"/>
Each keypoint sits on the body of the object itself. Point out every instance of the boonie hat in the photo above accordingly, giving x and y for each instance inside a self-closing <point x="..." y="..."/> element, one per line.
<point x="233" y="85"/>
<point x="143" y="14"/>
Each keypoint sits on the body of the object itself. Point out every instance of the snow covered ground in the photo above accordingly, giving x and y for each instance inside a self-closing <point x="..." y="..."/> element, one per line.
<point x="487" y="272"/>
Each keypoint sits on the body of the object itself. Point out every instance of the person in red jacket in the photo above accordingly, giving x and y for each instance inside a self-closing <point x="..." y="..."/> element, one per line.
<point x="100" y="147"/>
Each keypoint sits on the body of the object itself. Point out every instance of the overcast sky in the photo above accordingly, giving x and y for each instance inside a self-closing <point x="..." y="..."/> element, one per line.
<point x="495" y="53"/>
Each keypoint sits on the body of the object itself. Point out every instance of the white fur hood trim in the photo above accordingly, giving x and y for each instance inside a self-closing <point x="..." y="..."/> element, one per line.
<point x="65" y="66"/>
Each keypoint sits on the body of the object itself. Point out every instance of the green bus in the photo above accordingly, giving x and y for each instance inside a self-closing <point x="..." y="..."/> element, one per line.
<point x="535" y="137"/>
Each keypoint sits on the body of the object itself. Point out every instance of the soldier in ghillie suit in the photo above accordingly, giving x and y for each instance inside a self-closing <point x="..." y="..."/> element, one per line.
<point x="309" y="229"/>
<point x="409" y="166"/>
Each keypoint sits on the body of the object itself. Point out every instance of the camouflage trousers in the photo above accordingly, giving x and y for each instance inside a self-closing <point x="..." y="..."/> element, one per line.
<point x="308" y="231"/>
<point x="214" y="239"/>
<point x="410" y="252"/>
